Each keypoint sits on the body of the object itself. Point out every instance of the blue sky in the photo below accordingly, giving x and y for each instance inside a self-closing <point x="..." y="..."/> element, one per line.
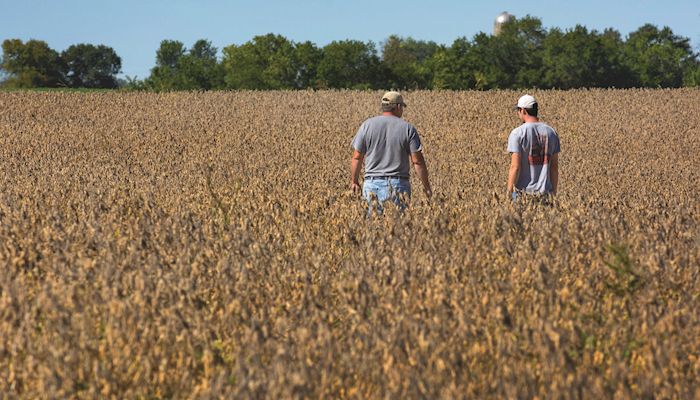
<point x="135" y="28"/>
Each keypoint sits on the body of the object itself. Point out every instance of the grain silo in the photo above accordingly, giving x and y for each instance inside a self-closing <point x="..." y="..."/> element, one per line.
<point x="501" y="19"/>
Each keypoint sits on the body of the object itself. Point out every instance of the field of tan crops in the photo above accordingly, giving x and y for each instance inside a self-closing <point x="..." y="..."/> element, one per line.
<point x="197" y="245"/>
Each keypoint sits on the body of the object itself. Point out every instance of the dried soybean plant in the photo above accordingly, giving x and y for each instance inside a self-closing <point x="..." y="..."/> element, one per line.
<point x="196" y="245"/>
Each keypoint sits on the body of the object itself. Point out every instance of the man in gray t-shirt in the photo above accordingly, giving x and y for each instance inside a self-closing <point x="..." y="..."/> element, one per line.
<point x="388" y="145"/>
<point x="534" y="148"/>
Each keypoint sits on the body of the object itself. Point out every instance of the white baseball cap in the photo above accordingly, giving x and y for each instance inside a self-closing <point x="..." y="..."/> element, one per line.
<point x="526" y="101"/>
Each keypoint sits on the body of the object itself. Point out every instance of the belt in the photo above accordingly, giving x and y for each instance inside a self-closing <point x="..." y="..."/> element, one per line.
<point x="371" y="178"/>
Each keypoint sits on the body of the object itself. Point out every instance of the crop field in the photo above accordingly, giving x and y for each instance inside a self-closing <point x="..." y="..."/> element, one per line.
<point x="204" y="245"/>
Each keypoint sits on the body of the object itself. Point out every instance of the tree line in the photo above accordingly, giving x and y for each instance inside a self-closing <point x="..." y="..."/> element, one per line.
<point x="523" y="55"/>
<point x="35" y="64"/>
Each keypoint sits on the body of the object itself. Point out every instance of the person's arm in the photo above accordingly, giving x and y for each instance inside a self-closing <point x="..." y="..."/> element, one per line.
<point x="355" y="166"/>
<point x="554" y="171"/>
<point x="422" y="171"/>
<point x="514" y="171"/>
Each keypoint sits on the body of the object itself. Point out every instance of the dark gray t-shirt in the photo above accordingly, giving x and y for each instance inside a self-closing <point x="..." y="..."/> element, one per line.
<point x="387" y="143"/>
<point x="536" y="142"/>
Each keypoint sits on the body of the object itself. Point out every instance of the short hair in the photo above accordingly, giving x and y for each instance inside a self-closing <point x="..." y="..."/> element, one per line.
<point x="389" y="107"/>
<point x="531" y="111"/>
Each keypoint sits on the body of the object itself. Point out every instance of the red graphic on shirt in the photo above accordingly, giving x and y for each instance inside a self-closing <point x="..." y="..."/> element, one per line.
<point x="539" y="150"/>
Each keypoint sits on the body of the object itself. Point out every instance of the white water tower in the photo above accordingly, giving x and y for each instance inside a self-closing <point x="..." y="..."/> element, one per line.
<point x="501" y="19"/>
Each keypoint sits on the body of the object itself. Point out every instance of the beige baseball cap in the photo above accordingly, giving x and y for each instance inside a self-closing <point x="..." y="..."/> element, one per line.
<point x="526" y="101"/>
<point x="393" y="98"/>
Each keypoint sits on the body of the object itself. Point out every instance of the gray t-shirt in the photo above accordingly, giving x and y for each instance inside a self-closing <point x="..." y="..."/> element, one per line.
<point x="387" y="143"/>
<point x="536" y="142"/>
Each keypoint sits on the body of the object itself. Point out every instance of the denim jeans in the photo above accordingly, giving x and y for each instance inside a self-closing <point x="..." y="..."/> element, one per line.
<point x="544" y="199"/>
<point x="378" y="191"/>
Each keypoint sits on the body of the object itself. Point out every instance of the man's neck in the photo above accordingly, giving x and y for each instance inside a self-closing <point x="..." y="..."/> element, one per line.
<point x="390" y="114"/>
<point x="530" y="119"/>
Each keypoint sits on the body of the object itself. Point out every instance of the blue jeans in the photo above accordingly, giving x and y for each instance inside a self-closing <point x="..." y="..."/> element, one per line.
<point x="378" y="191"/>
<point x="544" y="199"/>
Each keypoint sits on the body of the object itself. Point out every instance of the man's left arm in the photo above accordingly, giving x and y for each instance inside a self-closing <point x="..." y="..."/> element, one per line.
<point x="421" y="168"/>
<point x="554" y="172"/>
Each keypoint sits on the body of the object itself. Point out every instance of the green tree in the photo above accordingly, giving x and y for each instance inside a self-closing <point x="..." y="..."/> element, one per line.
<point x="493" y="61"/>
<point x="658" y="57"/>
<point x="199" y="69"/>
<point x="307" y="57"/>
<point x="578" y="58"/>
<point x="91" y="66"/>
<point x="165" y="75"/>
<point x="31" y="64"/>
<point x="691" y="77"/>
<point x="350" y="64"/>
<point x="169" y="53"/>
<point x="452" y="68"/>
<point x="266" y="62"/>
<point x="407" y="62"/>
<point x="512" y="59"/>
<point x="180" y="69"/>
<point x="203" y="50"/>
<point x="618" y="72"/>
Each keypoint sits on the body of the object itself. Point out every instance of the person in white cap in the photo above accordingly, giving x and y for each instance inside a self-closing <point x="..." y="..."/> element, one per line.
<point x="534" y="149"/>
<point x="388" y="145"/>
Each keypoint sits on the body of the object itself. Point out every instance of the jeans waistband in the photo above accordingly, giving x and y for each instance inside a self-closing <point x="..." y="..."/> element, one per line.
<point x="370" y="178"/>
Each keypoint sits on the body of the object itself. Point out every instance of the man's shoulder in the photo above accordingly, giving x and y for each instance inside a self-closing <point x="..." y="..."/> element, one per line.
<point x="372" y="121"/>
<point x="387" y="120"/>
<point x="374" y="118"/>
<point x="518" y="130"/>
<point x="548" y="128"/>
<point x="533" y="127"/>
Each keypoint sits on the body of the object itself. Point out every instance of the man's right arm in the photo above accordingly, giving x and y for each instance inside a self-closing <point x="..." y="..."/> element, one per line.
<point x="513" y="171"/>
<point x="355" y="166"/>
<point x="358" y="156"/>
<point x="422" y="171"/>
